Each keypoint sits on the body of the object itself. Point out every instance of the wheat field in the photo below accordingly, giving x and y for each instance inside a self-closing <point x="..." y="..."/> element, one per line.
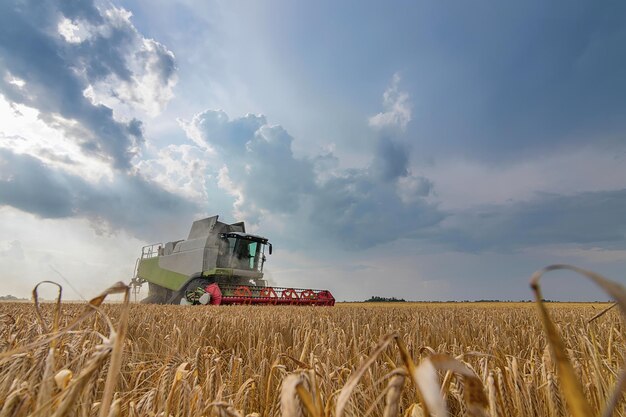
<point x="354" y="359"/>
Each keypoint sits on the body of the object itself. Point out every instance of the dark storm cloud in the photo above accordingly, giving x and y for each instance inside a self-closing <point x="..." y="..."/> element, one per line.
<point x="27" y="184"/>
<point x="56" y="73"/>
<point x="589" y="218"/>
<point x="361" y="210"/>
<point x="127" y="202"/>
<point x="391" y="160"/>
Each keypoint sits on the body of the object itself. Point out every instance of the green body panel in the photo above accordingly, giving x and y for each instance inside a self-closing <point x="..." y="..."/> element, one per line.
<point x="218" y="271"/>
<point x="150" y="270"/>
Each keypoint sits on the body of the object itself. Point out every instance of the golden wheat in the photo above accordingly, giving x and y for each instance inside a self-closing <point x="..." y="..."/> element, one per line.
<point x="353" y="359"/>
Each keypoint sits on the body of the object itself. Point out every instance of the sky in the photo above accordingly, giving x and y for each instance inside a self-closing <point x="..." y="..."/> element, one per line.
<point x="424" y="150"/>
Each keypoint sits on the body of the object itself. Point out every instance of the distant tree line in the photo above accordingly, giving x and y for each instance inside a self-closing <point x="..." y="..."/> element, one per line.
<point x="9" y="298"/>
<point x="377" y="299"/>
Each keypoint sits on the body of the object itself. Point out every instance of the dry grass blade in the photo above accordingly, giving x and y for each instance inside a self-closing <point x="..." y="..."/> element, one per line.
<point x="57" y="310"/>
<point x="91" y="307"/>
<point x="290" y="405"/>
<point x="298" y="362"/>
<point x="79" y="384"/>
<point x="116" y="354"/>
<point x="45" y="390"/>
<point x="572" y="388"/>
<point x="617" y="394"/>
<point x="14" y="405"/>
<point x="117" y="288"/>
<point x="307" y="400"/>
<point x="346" y="391"/>
<point x="425" y="378"/>
<point x="394" y="391"/>
<point x="493" y="400"/>
<point x="475" y="398"/>
<point x="227" y="409"/>
<point x="410" y="365"/>
<point x="268" y="382"/>
<point x="612" y="288"/>
<point x="115" y="409"/>
<point x="428" y="382"/>
<point x="602" y="313"/>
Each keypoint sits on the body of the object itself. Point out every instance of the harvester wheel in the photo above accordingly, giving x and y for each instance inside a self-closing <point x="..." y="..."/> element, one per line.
<point x="195" y="291"/>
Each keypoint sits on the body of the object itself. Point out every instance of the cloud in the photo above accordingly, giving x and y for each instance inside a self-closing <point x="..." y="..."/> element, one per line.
<point x="214" y="128"/>
<point x="358" y="207"/>
<point x="128" y="201"/>
<point x="411" y="187"/>
<point x="387" y="201"/>
<point x="361" y="211"/>
<point x="391" y="160"/>
<point x="179" y="169"/>
<point x="147" y="77"/>
<point x="85" y="65"/>
<point x="397" y="108"/>
<point x="261" y="169"/>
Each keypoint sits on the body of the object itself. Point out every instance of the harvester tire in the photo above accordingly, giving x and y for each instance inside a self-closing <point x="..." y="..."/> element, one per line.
<point x="193" y="285"/>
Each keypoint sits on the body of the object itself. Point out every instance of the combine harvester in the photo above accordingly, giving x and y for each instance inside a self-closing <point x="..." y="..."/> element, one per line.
<point x="218" y="264"/>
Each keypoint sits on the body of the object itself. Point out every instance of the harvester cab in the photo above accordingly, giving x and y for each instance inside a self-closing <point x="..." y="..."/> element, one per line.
<point x="218" y="264"/>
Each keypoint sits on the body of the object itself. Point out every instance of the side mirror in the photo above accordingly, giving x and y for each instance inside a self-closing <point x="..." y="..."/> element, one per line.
<point x="270" y="248"/>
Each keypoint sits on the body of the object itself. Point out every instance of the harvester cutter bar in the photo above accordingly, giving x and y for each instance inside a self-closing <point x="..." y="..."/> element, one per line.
<point x="250" y="294"/>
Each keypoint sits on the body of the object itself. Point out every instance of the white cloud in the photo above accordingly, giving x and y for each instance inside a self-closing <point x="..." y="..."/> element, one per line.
<point x="18" y="82"/>
<point x="397" y="108"/>
<point x="179" y="169"/>
<point x="151" y="65"/>
<point x="193" y="129"/>
<point x="88" y="73"/>
<point x="71" y="32"/>
<point x="23" y="131"/>
<point x="242" y="209"/>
